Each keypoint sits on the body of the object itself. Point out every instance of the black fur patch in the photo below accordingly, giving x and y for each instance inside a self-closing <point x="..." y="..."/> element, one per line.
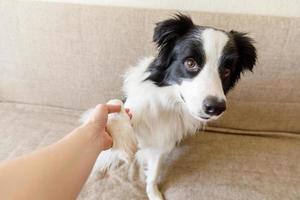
<point x="243" y="57"/>
<point x="175" y="42"/>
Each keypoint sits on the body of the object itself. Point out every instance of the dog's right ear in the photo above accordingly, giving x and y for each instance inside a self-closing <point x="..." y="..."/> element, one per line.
<point x="168" y="31"/>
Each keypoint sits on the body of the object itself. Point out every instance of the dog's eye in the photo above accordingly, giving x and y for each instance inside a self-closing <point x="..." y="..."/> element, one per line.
<point x="226" y="73"/>
<point x="191" y="64"/>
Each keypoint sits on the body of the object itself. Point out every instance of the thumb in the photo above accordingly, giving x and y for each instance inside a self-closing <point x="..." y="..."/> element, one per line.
<point x="101" y="112"/>
<point x="100" y="115"/>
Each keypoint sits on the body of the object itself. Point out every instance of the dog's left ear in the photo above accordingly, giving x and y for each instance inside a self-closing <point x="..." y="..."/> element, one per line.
<point x="246" y="50"/>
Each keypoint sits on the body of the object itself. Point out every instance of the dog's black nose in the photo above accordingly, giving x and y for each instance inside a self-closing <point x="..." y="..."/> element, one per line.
<point x="213" y="105"/>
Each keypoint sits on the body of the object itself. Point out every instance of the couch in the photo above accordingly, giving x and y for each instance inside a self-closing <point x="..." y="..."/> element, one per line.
<point x="57" y="60"/>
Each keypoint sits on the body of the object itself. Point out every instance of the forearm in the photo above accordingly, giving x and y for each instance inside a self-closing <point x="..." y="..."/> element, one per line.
<point x="55" y="172"/>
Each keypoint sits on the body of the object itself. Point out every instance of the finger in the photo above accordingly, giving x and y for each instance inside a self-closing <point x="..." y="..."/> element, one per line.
<point x="106" y="141"/>
<point x="109" y="138"/>
<point x="130" y="115"/>
<point x="100" y="114"/>
<point x="128" y="112"/>
<point x="113" y="108"/>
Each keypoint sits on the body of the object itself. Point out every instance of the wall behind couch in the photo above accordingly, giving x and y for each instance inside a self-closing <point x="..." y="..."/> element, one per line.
<point x="261" y="7"/>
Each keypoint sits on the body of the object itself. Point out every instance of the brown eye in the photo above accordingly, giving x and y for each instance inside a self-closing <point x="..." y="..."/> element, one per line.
<point x="191" y="64"/>
<point x="226" y="73"/>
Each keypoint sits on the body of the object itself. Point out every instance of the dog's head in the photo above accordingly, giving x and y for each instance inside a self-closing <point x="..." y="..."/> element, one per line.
<point x="203" y="63"/>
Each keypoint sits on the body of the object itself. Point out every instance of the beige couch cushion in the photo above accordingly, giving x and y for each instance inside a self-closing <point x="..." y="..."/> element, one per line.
<point x="74" y="55"/>
<point x="208" y="166"/>
<point x="24" y="128"/>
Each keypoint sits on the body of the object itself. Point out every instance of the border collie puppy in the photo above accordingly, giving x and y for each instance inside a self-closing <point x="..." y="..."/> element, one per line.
<point x="174" y="93"/>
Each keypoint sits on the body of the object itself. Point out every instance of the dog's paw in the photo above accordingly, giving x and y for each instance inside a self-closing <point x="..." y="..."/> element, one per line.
<point x="124" y="141"/>
<point x="121" y="130"/>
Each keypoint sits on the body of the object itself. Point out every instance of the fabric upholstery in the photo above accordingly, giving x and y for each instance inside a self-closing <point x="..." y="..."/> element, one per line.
<point x="58" y="59"/>
<point x="73" y="56"/>
<point x="24" y="128"/>
<point x="207" y="166"/>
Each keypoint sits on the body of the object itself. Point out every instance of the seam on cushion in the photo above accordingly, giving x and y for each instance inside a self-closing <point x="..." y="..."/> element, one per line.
<point x="257" y="15"/>
<point x="42" y="105"/>
<point x="263" y="102"/>
<point x="206" y="128"/>
<point x="44" y="109"/>
<point x="251" y="133"/>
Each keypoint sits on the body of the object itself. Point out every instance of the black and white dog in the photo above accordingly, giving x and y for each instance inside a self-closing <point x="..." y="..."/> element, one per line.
<point x="174" y="93"/>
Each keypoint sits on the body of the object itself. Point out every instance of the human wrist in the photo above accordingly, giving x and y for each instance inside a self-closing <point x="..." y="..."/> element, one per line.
<point x="92" y="134"/>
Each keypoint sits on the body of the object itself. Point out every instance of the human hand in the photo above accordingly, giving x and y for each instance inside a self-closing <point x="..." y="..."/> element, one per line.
<point x="99" y="121"/>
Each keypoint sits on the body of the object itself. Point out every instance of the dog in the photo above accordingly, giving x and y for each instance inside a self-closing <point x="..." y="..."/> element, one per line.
<point x="173" y="94"/>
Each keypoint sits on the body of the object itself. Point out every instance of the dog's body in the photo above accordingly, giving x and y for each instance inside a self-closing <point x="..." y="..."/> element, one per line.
<point x="173" y="94"/>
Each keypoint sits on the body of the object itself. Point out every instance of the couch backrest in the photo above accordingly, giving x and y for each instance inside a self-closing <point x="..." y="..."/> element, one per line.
<point x="74" y="55"/>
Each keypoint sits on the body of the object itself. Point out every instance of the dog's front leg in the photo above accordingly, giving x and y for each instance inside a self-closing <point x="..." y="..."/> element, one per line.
<point x="153" y="164"/>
